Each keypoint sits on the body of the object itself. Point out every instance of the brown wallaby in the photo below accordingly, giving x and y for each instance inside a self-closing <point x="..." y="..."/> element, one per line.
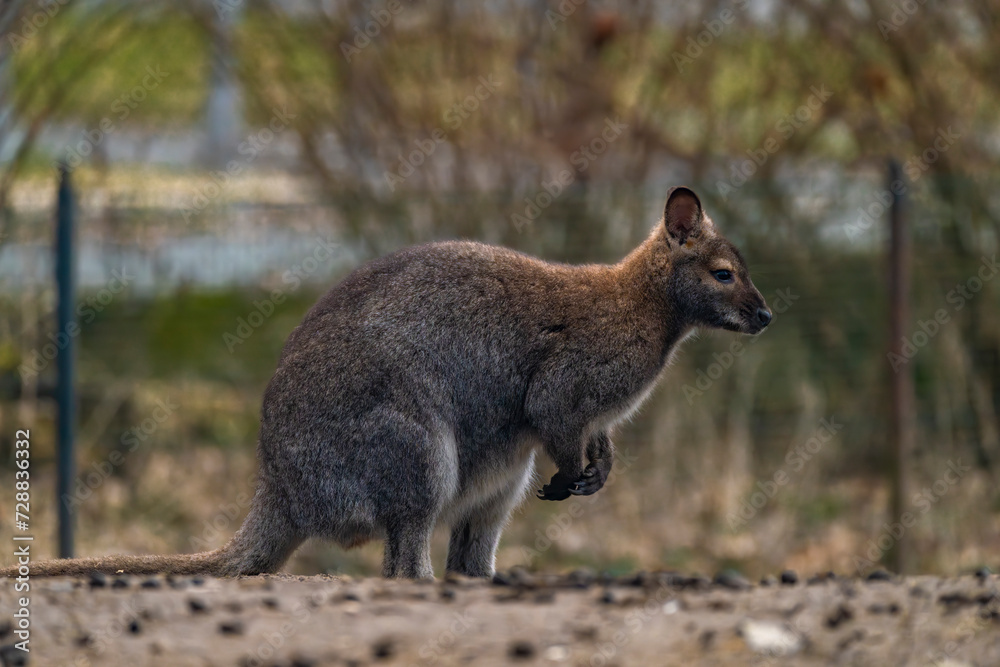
<point x="417" y="391"/>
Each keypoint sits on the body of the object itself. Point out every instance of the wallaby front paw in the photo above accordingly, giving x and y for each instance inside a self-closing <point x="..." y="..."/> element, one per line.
<point x="591" y="482"/>
<point x="558" y="488"/>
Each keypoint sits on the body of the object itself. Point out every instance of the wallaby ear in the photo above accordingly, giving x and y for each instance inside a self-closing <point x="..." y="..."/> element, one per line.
<point x="682" y="215"/>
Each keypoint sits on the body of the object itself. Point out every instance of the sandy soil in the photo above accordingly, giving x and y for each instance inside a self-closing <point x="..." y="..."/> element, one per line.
<point x="579" y="619"/>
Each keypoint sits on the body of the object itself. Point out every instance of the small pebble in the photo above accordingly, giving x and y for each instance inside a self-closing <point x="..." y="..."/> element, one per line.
<point x="502" y="579"/>
<point x="694" y="582"/>
<point x="732" y="580"/>
<point x="197" y="606"/>
<point x="10" y="656"/>
<point x="151" y="583"/>
<point x="770" y="638"/>
<point x="821" y="578"/>
<point x="556" y="653"/>
<point x="983" y="599"/>
<point x="523" y="578"/>
<point x="789" y="578"/>
<point x="768" y="581"/>
<point x="879" y="575"/>
<point x="545" y="597"/>
<point x="232" y="627"/>
<point x="840" y="615"/>
<point x="522" y="650"/>
<point x="134" y="627"/>
<point x="121" y="582"/>
<point x="98" y="580"/>
<point x="641" y="578"/>
<point x="383" y="649"/>
<point x="581" y="578"/>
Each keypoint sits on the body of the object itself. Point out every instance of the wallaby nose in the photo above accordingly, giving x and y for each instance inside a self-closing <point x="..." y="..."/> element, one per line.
<point x="764" y="316"/>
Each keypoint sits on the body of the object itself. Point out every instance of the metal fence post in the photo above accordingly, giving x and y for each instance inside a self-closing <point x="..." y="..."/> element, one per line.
<point x="67" y="332"/>
<point x="901" y="379"/>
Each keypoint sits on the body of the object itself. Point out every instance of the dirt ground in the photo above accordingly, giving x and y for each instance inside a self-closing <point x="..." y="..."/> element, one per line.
<point x="578" y="619"/>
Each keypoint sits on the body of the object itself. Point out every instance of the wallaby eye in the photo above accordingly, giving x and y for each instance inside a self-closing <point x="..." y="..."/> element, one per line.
<point x="723" y="275"/>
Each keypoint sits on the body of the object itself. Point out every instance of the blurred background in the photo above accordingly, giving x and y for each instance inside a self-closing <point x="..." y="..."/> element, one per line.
<point x="233" y="159"/>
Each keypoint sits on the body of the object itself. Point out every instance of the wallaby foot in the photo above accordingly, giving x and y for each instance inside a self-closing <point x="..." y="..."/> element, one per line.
<point x="408" y="553"/>
<point x="472" y="548"/>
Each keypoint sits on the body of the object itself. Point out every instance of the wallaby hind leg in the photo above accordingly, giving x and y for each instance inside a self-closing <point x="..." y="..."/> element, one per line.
<point x="474" y="539"/>
<point x="413" y="470"/>
<point x="408" y="551"/>
<point x="473" y="545"/>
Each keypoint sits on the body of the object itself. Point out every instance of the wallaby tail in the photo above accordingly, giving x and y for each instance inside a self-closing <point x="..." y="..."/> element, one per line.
<point x="262" y="544"/>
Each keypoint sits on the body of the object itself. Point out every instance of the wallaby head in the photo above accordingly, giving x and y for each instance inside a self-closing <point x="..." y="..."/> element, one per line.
<point x="704" y="275"/>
